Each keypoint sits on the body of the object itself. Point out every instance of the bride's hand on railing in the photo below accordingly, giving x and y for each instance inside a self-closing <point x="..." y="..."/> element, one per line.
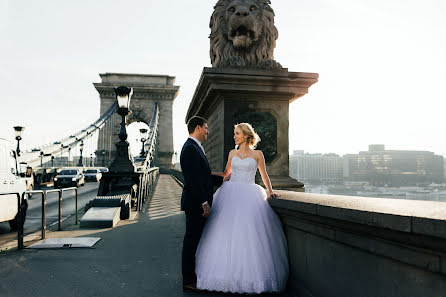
<point x="272" y="194"/>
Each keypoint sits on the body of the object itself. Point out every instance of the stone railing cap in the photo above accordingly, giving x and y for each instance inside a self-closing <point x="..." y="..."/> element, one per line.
<point x="422" y="217"/>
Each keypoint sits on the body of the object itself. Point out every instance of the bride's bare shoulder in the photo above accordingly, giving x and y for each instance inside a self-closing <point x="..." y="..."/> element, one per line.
<point x="258" y="155"/>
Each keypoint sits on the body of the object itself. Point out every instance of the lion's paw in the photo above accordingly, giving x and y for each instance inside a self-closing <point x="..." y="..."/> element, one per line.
<point x="234" y="61"/>
<point x="269" y="64"/>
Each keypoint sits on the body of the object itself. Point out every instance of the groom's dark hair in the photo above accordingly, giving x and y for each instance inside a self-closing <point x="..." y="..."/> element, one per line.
<point x="194" y="122"/>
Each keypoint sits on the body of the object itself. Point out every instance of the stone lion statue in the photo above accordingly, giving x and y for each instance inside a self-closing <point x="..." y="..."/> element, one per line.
<point x="243" y="34"/>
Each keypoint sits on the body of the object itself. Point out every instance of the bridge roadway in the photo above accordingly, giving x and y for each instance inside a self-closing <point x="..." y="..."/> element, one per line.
<point x="139" y="257"/>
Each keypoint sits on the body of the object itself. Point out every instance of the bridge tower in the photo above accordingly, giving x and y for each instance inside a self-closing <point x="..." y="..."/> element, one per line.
<point x="147" y="89"/>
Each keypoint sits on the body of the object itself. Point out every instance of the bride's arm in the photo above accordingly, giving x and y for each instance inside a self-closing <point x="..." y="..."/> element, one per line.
<point x="228" y="168"/>
<point x="265" y="177"/>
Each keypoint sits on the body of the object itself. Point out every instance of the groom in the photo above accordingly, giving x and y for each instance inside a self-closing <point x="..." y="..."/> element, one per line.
<point x="196" y="199"/>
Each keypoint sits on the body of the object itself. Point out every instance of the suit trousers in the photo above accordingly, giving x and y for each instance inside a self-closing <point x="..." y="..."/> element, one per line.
<point x="194" y="228"/>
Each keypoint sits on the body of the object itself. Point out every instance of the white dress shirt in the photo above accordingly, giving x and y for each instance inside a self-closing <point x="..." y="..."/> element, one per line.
<point x="199" y="144"/>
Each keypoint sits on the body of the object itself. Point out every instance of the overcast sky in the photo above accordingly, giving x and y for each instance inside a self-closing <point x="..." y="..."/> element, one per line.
<point x="382" y="65"/>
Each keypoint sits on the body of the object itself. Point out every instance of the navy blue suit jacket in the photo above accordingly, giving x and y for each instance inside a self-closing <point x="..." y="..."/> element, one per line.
<point x="198" y="181"/>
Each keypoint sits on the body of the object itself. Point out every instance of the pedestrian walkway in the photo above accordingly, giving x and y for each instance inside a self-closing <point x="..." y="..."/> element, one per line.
<point x="137" y="258"/>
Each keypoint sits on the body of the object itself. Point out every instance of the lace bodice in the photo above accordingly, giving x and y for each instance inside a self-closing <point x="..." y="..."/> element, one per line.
<point x="243" y="170"/>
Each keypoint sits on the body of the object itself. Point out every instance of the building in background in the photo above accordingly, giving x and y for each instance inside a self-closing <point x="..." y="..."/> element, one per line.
<point x="375" y="167"/>
<point x="382" y="167"/>
<point x="316" y="168"/>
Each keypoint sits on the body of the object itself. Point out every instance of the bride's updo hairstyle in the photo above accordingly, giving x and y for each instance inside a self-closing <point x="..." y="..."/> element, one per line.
<point x="248" y="130"/>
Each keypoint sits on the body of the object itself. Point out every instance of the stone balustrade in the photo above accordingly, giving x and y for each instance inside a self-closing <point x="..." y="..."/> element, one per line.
<point x="357" y="246"/>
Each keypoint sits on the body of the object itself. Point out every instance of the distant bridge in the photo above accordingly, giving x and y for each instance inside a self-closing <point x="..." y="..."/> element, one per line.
<point x="150" y="92"/>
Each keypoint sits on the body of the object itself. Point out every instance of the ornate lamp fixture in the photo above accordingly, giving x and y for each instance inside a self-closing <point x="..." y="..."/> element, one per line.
<point x="143" y="133"/>
<point x="123" y="95"/>
<point x="122" y="162"/>
<point x="41" y="159"/>
<point x="18" y="136"/>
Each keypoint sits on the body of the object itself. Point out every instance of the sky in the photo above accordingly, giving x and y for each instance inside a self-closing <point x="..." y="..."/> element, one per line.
<point x="382" y="66"/>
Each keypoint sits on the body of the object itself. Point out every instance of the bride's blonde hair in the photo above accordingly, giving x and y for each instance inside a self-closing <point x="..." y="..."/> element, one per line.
<point x="248" y="130"/>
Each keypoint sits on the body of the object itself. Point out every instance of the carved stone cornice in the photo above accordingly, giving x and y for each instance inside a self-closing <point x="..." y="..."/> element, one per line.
<point x="278" y="85"/>
<point x="107" y="91"/>
<point x="145" y="86"/>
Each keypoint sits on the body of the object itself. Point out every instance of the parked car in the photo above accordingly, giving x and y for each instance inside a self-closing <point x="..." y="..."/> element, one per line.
<point x="69" y="178"/>
<point x="103" y="169"/>
<point x="93" y="175"/>
<point x="12" y="180"/>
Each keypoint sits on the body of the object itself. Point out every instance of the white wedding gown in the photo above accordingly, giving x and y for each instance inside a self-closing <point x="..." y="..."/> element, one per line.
<point x="243" y="248"/>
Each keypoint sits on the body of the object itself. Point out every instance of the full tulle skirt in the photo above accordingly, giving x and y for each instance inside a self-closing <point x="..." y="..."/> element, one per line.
<point x="243" y="248"/>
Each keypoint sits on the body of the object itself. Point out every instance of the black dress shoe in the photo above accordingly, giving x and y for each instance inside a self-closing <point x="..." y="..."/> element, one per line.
<point x="190" y="287"/>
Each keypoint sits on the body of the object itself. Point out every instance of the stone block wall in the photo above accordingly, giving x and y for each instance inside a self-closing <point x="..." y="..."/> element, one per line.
<point x="356" y="246"/>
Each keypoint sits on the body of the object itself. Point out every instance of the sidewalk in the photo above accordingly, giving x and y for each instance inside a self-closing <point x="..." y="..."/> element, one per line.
<point x="140" y="257"/>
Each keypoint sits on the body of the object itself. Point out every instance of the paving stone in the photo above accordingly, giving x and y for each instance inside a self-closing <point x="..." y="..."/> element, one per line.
<point x="101" y="217"/>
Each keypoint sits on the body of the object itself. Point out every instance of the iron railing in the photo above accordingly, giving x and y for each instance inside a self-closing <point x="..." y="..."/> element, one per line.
<point x="20" y="199"/>
<point x="147" y="181"/>
<point x="148" y="171"/>
<point x="60" y="192"/>
<point x="152" y="153"/>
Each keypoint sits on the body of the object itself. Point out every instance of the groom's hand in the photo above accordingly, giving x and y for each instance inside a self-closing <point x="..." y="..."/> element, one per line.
<point x="206" y="210"/>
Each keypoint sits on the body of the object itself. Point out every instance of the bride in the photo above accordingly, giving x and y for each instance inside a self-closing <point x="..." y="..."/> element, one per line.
<point x="243" y="248"/>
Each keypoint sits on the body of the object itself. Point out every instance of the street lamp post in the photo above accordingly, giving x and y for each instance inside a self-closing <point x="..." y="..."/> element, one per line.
<point x="103" y="157"/>
<point x="143" y="133"/>
<point x="81" y="148"/>
<point x="18" y="136"/>
<point x="122" y="162"/>
<point x="61" y="152"/>
<point x="69" y="156"/>
<point x="41" y="159"/>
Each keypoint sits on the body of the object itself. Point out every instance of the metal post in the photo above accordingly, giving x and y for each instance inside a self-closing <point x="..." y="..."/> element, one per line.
<point x="18" y="145"/>
<point x="60" y="211"/>
<point x="43" y="215"/>
<point x="149" y="182"/>
<point x="75" y="192"/>
<point x="80" y="163"/>
<point x="138" y="202"/>
<point x="69" y="156"/>
<point x="19" y="219"/>
<point x="143" y="140"/>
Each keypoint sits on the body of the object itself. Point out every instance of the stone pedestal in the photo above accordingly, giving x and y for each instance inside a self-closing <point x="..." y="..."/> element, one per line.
<point x="227" y="96"/>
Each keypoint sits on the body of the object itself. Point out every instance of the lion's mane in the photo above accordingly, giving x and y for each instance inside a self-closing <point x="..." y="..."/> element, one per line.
<point x="222" y="49"/>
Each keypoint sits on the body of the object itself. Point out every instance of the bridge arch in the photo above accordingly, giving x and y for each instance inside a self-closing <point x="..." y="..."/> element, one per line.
<point x="148" y="89"/>
<point x="134" y="137"/>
